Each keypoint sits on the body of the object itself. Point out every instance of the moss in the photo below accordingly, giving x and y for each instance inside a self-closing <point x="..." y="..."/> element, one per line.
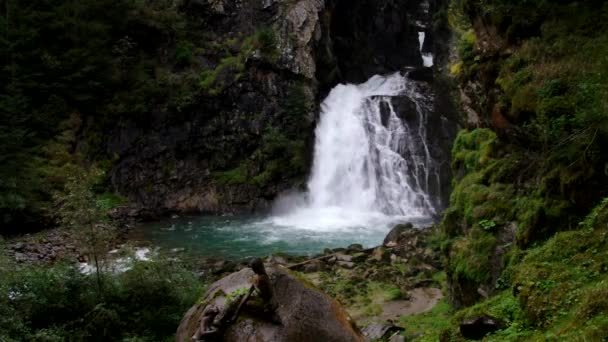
<point x="473" y="149"/>
<point x="235" y="176"/>
<point x="559" y="288"/>
<point x="471" y="257"/>
<point x="428" y="326"/>
<point x="108" y="201"/>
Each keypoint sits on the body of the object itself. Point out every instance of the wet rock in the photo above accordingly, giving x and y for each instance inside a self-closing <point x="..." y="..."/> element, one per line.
<point x="346" y="264"/>
<point x="359" y="257"/>
<point x="355" y="247"/>
<point x="20" y="257"/>
<point x="19" y="246"/>
<point x="421" y="74"/>
<point x="277" y="260"/>
<point x="397" y="338"/>
<point x="344" y="257"/>
<point x="377" y="331"/>
<point x="478" y="327"/>
<point x="299" y="313"/>
<point x="314" y="266"/>
<point x="392" y="239"/>
<point x="222" y="266"/>
<point x="381" y="254"/>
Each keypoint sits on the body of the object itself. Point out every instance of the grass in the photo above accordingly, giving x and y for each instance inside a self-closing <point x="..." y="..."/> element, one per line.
<point x="427" y="326"/>
<point x="557" y="291"/>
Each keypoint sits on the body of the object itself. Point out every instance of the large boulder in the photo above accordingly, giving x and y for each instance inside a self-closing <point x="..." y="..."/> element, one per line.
<point x="298" y="312"/>
<point x="478" y="327"/>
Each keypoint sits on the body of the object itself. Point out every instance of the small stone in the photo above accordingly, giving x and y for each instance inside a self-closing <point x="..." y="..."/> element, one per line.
<point x="20" y="257"/>
<point x="392" y="238"/>
<point x="277" y="260"/>
<point x="346" y="264"/>
<point x="344" y="257"/>
<point x="314" y="266"/>
<point x="359" y="257"/>
<point x="381" y="254"/>
<point x="355" y="247"/>
<point x="327" y="251"/>
<point x="19" y="246"/>
<point x="397" y="338"/>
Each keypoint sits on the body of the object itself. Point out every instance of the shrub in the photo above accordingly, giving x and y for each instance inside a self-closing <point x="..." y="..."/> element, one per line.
<point x="59" y="303"/>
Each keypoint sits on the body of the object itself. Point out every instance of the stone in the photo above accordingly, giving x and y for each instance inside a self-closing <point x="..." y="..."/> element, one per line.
<point x="301" y="313"/>
<point x="344" y="257"/>
<point x="421" y="74"/>
<point x="397" y="338"/>
<point x="392" y="238"/>
<point x="346" y="264"/>
<point x="222" y="266"/>
<point x="20" y="257"/>
<point x="379" y="331"/>
<point x="355" y="247"/>
<point x="332" y="260"/>
<point x="277" y="260"/>
<point x="19" y="246"/>
<point x="314" y="266"/>
<point x="381" y="254"/>
<point x="478" y="327"/>
<point x="359" y="257"/>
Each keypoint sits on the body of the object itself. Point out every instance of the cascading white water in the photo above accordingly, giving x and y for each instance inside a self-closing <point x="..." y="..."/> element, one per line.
<point x="369" y="169"/>
<point x="358" y="163"/>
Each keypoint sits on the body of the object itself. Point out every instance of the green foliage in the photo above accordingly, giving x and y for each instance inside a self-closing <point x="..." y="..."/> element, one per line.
<point x="558" y="289"/>
<point x="427" y="326"/>
<point x="85" y="215"/>
<point x="80" y="61"/>
<point x="487" y="224"/>
<point x="265" y="41"/>
<point x="278" y="157"/>
<point x="231" y="177"/>
<point x="108" y="201"/>
<point x="184" y="53"/>
<point x="58" y="303"/>
<point x="237" y="294"/>
<point x="471" y="257"/>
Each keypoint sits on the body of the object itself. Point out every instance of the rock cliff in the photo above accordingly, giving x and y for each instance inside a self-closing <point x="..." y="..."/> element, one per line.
<point x="243" y="131"/>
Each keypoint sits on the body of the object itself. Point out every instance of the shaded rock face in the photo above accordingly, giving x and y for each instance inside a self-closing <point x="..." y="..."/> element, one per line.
<point x="204" y="157"/>
<point x="300" y="313"/>
<point x="375" y="36"/>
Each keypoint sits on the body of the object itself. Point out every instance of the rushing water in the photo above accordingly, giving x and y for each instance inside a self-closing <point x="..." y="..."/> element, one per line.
<point x="370" y="170"/>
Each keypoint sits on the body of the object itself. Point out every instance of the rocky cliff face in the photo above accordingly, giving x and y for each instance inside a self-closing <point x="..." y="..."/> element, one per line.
<point x="243" y="133"/>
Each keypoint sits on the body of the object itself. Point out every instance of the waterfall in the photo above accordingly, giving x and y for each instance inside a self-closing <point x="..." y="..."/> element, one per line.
<point x="370" y="166"/>
<point x="359" y="161"/>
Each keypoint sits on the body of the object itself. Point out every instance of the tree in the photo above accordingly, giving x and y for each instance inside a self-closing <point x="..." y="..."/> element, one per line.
<point x="79" y="209"/>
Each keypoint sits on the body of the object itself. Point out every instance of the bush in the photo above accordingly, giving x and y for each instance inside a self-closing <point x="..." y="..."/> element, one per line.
<point x="59" y="303"/>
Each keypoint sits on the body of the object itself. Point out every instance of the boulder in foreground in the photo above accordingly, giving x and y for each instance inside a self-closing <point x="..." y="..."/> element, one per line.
<point x="265" y="305"/>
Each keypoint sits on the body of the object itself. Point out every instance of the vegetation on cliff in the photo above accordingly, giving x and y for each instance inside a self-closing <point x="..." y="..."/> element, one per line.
<point x="522" y="242"/>
<point x="78" y="73"/>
